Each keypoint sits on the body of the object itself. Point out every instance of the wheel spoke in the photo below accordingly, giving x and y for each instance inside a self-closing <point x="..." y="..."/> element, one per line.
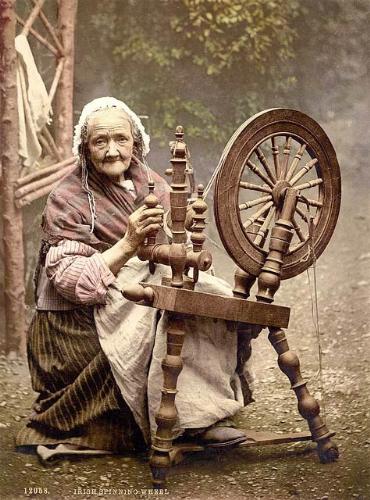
<point x="263" y="230"/>
<point x="312" y="203"/>
<point x="298" y="230"/>
<point x="260" y="174"/>
<point x="303" y="171"/>
<point x="286" y="153"/>
<point x="275" y="154"/>
<point x="301" y="213"/>
<point x="260" y="212"/>
<point x="253" y="203"/>
<point x="255" y="187"/>
<point x="266" y="166"/>
<point x="297" y="158"/>
<point x="309" y="184"/>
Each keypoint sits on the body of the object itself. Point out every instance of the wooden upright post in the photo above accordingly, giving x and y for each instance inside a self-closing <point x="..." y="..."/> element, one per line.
<point x="12" y="216"/>
<point x="63" y="112"/>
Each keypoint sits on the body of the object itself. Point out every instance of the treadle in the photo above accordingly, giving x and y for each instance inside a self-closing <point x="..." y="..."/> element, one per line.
<point x="257" y="438"/>
<point x="254" y="438"/>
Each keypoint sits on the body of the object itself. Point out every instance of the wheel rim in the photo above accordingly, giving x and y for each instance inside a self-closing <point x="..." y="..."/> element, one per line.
<point x="251" y="155"/>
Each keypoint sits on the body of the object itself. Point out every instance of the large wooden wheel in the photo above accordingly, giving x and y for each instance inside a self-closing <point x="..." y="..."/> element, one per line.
<point x="273" y="150"/>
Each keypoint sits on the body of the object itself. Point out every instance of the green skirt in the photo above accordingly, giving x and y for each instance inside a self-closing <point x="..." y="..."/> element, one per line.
<point x="79" y="401"/>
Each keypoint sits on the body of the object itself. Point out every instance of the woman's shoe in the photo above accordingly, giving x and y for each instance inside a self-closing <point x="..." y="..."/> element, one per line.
<point x="221" y="437"/>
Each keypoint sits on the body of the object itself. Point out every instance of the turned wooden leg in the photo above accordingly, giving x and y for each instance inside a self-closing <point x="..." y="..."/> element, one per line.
<point x="166" y="417"/>
<point x="307" y="405"/>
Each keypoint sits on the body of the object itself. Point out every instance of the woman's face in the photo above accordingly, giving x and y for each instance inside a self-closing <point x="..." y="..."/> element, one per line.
<point x="110" y="142"/>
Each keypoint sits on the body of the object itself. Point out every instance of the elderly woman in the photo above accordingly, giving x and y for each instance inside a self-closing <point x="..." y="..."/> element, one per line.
<point x="93" y="223"/>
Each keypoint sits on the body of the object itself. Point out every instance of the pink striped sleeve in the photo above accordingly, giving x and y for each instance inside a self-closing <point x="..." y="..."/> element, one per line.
<point x="78" y="272"/>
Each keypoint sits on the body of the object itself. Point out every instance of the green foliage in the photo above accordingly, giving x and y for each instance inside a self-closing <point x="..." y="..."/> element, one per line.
<point x="207" y="64"/>
<point x="230" y="33"/>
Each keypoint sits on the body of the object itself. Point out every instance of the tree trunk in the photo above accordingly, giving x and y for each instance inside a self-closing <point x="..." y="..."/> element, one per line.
<point x="63" y="112"/>
<point x="14" y="291"/>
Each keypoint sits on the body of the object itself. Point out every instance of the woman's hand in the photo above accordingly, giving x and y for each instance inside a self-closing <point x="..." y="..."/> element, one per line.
<point x="142" y="222"/>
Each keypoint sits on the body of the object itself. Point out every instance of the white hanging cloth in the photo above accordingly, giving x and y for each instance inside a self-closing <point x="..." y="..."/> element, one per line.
<point x="34" y="107"/>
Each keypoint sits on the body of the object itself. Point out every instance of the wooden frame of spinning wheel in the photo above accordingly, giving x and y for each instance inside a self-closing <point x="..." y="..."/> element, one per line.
<point x="270" y="267"/>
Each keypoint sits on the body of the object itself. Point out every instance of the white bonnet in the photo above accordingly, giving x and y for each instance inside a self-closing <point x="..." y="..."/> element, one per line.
<point x="103" y="103"/>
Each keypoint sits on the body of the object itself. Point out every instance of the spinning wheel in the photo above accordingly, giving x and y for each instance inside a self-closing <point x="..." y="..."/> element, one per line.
<point x="270" y="152"/>
<point x="277" y="198"/>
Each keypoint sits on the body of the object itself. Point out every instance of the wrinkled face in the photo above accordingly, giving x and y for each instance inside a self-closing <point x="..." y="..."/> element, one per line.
<point x="110" y="142"/>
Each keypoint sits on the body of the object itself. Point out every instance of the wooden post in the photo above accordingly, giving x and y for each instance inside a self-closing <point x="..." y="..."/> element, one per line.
<point x="14" y="290"/>
<point x="63" y="112"/>
<point x="268" y="284"/>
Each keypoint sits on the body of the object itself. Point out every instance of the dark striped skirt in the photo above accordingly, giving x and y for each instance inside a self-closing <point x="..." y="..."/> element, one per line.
<point x="79" y="401"/>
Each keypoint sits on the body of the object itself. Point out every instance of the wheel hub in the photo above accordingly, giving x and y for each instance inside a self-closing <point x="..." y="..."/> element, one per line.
<point x="278" y="192"/>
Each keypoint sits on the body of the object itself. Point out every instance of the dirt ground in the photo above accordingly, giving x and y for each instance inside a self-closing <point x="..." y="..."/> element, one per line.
<point x="279" y="472"/>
